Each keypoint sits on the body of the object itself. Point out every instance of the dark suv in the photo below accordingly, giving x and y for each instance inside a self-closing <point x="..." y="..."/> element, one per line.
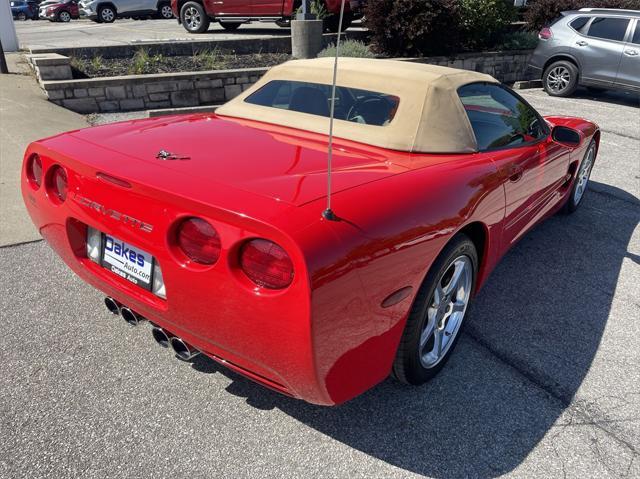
<point x="598" y="48"/>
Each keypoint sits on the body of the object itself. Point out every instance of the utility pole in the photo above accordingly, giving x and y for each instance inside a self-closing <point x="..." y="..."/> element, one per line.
<point x="306" y="14"/>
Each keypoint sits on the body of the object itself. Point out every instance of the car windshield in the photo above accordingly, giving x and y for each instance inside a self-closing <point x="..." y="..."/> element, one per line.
<point x="351" y="104"/>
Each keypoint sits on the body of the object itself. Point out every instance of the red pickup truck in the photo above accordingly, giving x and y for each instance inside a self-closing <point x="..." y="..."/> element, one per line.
<point x="196" y="15"/>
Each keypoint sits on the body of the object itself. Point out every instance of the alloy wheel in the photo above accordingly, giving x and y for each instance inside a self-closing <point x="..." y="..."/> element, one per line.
<point x="107" y="15"/>
<point x="583" y="175"/>
<point x="446" y="311"/>
<point x="166" y="12"/>
<point x="192" y="18"/>
<point x="558" y="79"/>
<point x="65" y="17"/>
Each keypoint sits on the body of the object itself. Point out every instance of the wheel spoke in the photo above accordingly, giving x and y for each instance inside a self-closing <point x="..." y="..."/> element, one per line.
<point x="438" y="294"/>
<point x="455" y="278"/>
<point x="437" y="345"/>
<point x="458" y="307"/>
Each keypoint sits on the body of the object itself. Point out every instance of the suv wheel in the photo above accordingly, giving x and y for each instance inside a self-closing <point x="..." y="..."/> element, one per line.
<point x="560" y="78"/>
<point x="194" y="18"/>
<point x="230" y="26"/>
<point x="106" y="14"/>
<point x="64" y="16"/>
<point x="164" y="10"/>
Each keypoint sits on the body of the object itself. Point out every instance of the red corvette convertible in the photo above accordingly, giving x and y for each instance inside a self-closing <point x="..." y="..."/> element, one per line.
<point x="211" y="227"/>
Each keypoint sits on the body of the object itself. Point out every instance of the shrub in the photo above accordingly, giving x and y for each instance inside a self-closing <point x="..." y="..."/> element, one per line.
<point x="483" y="21"/>
<point x="518" y="41"/>
<point x="542" y="12"/>
<point x="348" y="48"/>
<point x="143" y="62"/>
<point x="413" y="27"/>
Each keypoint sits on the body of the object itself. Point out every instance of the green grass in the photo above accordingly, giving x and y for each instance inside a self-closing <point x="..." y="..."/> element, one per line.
<point x="348" y="48"/>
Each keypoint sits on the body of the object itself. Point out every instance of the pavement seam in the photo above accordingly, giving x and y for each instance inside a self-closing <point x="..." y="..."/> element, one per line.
<point x="586" y="411"/>
<point x="21" y="243"/>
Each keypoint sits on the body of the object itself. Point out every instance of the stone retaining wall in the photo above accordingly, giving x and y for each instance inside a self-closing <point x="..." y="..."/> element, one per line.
<point x="176" y="90"/>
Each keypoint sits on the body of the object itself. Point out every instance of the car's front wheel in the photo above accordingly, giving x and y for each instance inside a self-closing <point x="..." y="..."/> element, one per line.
<point x="230" y="26"/>
<point x="164" y="10"/>
<point x="64" y="16"/>
<point x="582" y="179"/>
<point x="438" y="312"/>
<point x="194" y="18"/>
<point x="560" y="78"/>
<point x="106" y="14"/>
<point x="22" y="16"/>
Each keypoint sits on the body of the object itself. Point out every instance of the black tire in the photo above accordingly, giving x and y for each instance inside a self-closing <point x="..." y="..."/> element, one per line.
<point x="61" y="17"/>
<point x="106" y="14"/>
<point x="164" y="10"/>
<point x="330" y="24"/>
<point x="230" y="26"/>
<point x="194" y="18"/>
<point x="408" y="366"/>
<point x="22" y="16"/>
<point x="581" y="180"/>
<point x="560" y="78"/>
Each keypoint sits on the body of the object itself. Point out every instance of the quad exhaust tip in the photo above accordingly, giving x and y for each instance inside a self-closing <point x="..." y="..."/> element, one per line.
<point x="112" y="305"/>
<point x="162" y="337"/>
<point x="130" y="316"/>
<point x="182" y="349"/>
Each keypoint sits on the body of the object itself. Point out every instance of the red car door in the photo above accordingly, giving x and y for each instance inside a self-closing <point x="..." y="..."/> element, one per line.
<point x="267" y="8"/>
<point x="229" y="7"/>
<point x="533" y="168"/>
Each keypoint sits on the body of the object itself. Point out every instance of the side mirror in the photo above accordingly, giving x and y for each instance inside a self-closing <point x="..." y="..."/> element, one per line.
<point x="566" y="136"/>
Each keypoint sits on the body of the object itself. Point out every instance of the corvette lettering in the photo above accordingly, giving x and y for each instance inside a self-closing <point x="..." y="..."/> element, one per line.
<point x="116" y="215"/>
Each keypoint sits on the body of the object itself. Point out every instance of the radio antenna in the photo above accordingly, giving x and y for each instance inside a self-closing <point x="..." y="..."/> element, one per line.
<point x="328" y="213"/>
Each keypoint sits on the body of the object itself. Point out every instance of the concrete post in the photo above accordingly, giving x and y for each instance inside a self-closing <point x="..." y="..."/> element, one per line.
<point x="7" y="29"/>
<point x="306" y="38"/>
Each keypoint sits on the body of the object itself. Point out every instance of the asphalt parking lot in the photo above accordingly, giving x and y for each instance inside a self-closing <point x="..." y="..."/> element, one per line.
<point x="78" y="33"/>
<point x="544" y="382"/>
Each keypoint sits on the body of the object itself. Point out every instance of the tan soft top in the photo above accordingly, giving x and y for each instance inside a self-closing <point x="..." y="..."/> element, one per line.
<point x="430" y="116"/>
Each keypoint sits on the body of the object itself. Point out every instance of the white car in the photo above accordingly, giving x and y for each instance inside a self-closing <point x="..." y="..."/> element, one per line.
<point x="106" y="11"/>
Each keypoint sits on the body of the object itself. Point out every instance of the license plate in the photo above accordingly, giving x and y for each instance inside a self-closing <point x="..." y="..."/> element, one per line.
<point x="127" y="261"/>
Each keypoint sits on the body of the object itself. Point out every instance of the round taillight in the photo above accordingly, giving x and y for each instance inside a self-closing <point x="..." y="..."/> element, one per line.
<point x="266" y="264"/>
<point x="57" y="184"/>
<point x="199" y="241"/>
<point x="34" y="171"/>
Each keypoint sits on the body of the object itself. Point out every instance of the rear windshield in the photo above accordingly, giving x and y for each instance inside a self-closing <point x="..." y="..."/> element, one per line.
<point x="351" y="104"/>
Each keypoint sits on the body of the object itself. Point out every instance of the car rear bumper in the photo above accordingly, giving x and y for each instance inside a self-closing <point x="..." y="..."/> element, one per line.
<point x="264" y="335"/>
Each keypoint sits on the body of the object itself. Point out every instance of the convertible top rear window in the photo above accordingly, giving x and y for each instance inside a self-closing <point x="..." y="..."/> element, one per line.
<point x="351" y="104"/>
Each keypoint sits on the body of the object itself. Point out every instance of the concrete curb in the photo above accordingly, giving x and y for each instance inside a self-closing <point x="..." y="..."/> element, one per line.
<point x="525" y="85"/>
<point x="182" y="111"/>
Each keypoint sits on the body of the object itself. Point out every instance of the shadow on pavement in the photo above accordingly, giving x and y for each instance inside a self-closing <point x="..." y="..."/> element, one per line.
<point x="608" y="96"/>
<point x="531" y="337"/>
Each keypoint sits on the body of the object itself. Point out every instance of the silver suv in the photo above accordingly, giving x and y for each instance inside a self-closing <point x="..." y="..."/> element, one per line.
<point x="106" y="11"/>
<point x="592" y="47"/>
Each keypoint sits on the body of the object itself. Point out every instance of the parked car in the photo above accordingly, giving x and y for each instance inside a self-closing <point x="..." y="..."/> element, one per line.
<point x="60" y="11"/>
<point x="598" y="48"/>
<point x="106" y="11"/>
<point x="215" y="227"/>
<point x="24" y="9"/>
<point x="196" y="15"/>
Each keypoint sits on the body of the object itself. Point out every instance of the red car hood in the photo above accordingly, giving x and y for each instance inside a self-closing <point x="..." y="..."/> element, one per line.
<point x="284" y="164"/>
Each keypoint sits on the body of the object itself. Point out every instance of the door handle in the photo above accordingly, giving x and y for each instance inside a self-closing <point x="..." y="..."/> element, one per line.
<point x="582" y="43"/>
<point x="631" y="52"/>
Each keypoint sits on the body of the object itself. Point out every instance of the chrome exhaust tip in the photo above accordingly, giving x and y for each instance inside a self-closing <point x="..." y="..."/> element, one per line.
<point x="182" y="349"/>
<point x="112" y="305"/>
<point x="130" y="316"/>
<point x="162" y="337"/>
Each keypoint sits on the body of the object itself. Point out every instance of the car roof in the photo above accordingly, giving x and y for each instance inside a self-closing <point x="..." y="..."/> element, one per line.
<point x="604" y="11"/>
<point x="430" y="116"/>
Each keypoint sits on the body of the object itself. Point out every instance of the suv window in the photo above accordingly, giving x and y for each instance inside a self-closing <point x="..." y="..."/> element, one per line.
<point x="608" y="28"/>
<point x="579" y="23"/>
<point x="636" y="35"/>
<point x="351" y="104"/>
<point x="499" y="118"/>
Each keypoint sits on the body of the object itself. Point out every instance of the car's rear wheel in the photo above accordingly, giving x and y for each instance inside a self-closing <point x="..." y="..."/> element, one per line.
<point x="582" y="179"/>
<point x="106" y="14"/>
<point x="64" y="16"/>
<point x="331" y="23"/>
<point x="164" y="10"/>
<point x="437" y="315"/>
<point x="230" y="26"/>
<point x="560" y="78"/>
<point x="194" y="18"/>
